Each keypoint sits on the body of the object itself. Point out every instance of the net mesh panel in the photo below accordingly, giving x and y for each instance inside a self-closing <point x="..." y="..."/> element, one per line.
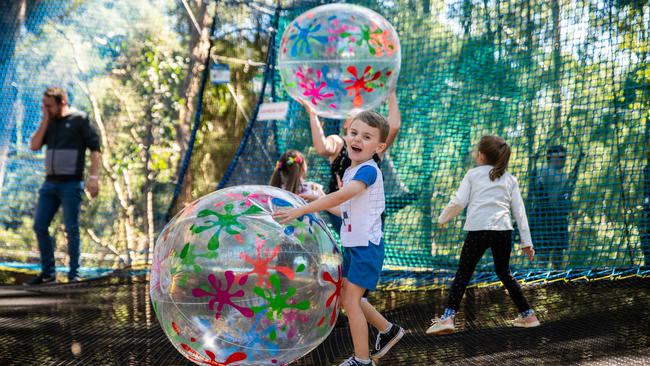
<point x="468" y="69"/>
<point x="75" y="45"/>
<point x="573" y="116"/>
<point x="110" y="320"/>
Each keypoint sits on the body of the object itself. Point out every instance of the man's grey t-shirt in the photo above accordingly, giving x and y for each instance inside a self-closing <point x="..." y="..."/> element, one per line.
<point x="67" y="139"/>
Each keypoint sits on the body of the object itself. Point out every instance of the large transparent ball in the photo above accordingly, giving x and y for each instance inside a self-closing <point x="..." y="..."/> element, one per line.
<point x="339" y="58"/>
<point x="231" y="285"/>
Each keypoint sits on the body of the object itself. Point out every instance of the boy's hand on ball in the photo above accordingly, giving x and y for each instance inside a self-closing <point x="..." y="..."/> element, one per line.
<point x="286" y="215"/>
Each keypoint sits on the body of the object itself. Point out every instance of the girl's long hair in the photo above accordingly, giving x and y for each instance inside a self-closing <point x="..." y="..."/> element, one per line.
<point x="497" y="153"/>
<point x="288" y="171"/>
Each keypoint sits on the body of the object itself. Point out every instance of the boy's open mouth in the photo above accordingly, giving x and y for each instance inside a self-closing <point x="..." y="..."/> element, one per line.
<point x="356" y="149"/>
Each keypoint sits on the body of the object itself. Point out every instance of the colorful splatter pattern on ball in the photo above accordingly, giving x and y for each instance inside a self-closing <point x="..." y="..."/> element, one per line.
<point x="339" y="58"/>
<point x="231" y="286"/>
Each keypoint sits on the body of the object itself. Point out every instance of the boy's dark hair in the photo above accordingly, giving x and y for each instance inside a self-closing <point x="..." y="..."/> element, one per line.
<point x="376" y="120"/>
<point x="288" y="171"/>
<point x="496" y="152"/>
<point x="555" y="149"/>
<point x="57" y="93"/>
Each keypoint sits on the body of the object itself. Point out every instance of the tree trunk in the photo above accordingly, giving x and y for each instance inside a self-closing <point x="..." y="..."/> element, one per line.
<point x="644" y="225"/>
<point x="147" y="190"/>
<point x="126" y="212"/>
<point x="557" y="70"/>
<point x="200" y="45"/>
<point x="530" y="95"/>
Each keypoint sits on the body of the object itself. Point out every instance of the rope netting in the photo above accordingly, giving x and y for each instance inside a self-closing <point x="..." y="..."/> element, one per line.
<point x="567" y="84"/>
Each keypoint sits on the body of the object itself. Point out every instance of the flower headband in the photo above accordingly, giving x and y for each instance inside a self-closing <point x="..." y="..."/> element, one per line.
<point x="290" y="161"/>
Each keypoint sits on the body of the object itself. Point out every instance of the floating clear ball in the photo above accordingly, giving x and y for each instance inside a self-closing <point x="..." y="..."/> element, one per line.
<point x="339" y="58"/>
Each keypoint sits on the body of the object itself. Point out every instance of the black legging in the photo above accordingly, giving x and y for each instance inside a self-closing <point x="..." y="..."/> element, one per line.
<point x="476" y="243"/>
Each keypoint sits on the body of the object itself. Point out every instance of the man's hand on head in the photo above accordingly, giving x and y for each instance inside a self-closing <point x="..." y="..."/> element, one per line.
<point x="46" y="114"/>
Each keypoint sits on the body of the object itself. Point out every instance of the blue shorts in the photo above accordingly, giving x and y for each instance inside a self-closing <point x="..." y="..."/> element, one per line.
<point x="362" y="265"/>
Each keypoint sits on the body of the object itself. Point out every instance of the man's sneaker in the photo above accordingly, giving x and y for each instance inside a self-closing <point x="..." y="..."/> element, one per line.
<point x="74" y="279"/>
<point x="386" y="341"/>
<point x="440" y="327"/>
<point x="40" y="280"/>
<point x="353" y="362"/>
<point x="530" y="321"/>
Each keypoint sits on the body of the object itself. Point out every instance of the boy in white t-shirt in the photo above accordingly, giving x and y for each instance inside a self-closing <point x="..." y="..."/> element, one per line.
<point x="360" y="203"/>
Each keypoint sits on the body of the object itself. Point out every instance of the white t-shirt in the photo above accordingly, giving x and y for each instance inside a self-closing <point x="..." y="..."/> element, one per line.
<point x="361" y="215"/>
<point x="489" y="203"/>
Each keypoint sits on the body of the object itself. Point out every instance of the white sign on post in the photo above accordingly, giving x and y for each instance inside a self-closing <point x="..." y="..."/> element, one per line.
<point x="271" y="111"/>
<point x="257" y="84"/>
<point x="219" y="74"/>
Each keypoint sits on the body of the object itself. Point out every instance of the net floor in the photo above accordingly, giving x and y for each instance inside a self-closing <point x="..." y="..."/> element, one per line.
<point x="109" y="321"/>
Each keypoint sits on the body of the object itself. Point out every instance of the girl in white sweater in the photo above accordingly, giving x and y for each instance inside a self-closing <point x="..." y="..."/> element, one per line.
<point x="490" y="194"/>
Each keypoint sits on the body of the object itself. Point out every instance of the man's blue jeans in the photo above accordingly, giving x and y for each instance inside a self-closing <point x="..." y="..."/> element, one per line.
<point x="50" y="197"/>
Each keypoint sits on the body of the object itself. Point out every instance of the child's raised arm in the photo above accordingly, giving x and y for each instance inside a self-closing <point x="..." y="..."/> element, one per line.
<point x="329" y="201"/>
<point x="458" y="202"/>
<point x="325" y="146"/>
<point x="394" y="119"/>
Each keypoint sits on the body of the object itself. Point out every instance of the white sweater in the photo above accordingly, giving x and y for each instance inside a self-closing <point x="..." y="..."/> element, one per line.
<point x="489" y="203"/>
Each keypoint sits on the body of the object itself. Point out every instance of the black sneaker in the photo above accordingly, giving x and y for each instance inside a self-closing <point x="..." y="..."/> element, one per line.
<point x="386" y="341"/>
<point x="353" y="362"/>
<point x="40" y="280"/>
<point x="74" y="279"/>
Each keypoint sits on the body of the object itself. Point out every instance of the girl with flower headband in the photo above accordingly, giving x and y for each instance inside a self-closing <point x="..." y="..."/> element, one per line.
<point x="289" y="174"/>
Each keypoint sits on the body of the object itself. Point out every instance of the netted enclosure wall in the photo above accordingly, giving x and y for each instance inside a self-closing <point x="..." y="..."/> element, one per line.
<point x="124" y="64"/>
<point x="566" y="83"/>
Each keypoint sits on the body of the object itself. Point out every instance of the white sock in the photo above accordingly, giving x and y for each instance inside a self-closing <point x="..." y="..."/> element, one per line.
<point x="390" y="325"/>
<point x="365" y="362"/>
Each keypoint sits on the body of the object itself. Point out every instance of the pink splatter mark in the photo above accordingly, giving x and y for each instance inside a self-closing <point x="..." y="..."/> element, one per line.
<point x="339" y="29"/>
<point x="262" y="198"/>
<point x="292" y="317"/>
<point x="222" y="296"/>
<point x="189" y="209"/>
<point x="211" y="357"/>
<point x="312" y="88"/>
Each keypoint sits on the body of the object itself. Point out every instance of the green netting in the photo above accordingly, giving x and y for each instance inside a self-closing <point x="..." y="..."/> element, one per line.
<point x="541" y="74"/>
<point x="547" y="76"/>
<point x="120" y="62"/>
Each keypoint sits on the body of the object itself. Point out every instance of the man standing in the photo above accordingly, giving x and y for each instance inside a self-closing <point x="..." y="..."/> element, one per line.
<point x="67" y="133"/>
<point x="553" y="191"/>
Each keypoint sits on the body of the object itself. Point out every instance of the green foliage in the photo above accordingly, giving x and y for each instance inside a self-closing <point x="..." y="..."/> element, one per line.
<point x="128" y="58"/>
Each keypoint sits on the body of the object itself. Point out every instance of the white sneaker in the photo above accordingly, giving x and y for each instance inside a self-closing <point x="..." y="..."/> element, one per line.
<point x="353" y="362"/>
<point x="438" y="327"/>
<point x="530" y="321"/>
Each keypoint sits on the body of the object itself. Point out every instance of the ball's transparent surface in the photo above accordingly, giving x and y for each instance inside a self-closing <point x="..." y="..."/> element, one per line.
<point x="339" y="58"/>
<point x="230" y="285"/>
